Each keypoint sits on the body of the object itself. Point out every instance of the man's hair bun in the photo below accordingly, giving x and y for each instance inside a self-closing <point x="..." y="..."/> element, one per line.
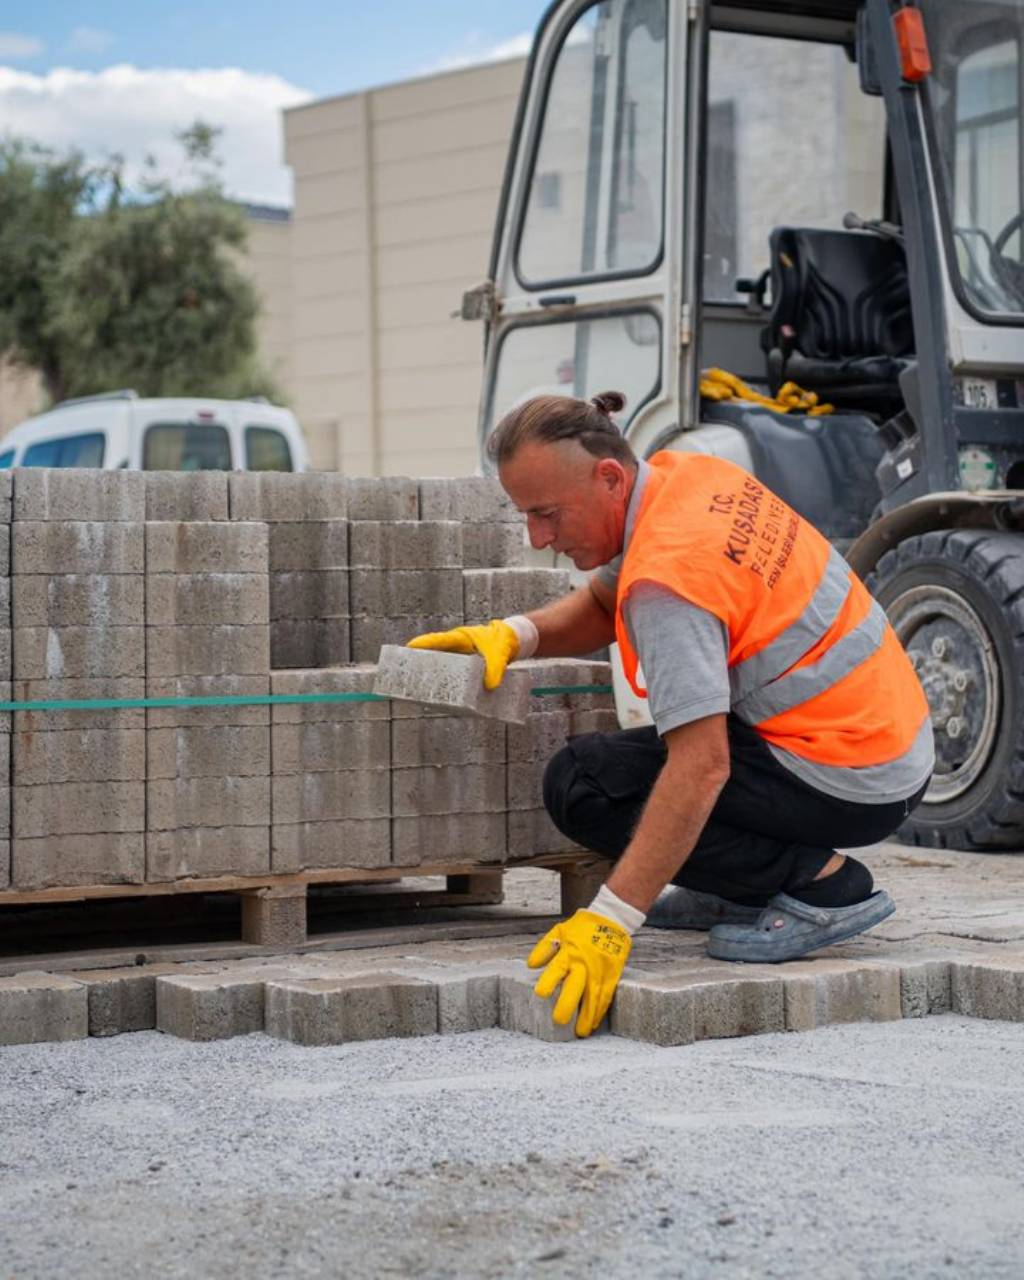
<point x="609" y="402"/>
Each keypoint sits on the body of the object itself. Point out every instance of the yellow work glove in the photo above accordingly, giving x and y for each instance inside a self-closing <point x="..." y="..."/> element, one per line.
<point x="586" y="954"/>
<point x="719" y="384"/>
<point x="496" y="642"/>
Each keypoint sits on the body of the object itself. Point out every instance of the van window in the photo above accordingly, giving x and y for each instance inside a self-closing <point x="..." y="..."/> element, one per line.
<point x="186" y="446"/>
<point x="67" y="451"/>
<point x="6" y="458"/>
<point x="266" y="449"/>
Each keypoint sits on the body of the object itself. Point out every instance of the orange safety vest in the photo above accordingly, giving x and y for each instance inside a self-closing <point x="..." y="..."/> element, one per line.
<point x="814" y="665"/>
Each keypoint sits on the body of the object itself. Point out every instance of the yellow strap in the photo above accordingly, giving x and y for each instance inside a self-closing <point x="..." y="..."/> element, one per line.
<point x="719" y="384"/>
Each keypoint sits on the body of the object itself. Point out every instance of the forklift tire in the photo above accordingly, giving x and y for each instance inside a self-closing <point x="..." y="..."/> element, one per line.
<point x="956" y="601"/>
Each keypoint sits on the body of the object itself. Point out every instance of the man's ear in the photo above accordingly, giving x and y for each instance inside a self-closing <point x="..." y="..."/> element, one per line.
<point x="611" y="473"/>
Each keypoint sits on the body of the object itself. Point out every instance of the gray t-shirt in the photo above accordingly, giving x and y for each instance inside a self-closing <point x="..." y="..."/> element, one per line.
<point x="683" y="649"/>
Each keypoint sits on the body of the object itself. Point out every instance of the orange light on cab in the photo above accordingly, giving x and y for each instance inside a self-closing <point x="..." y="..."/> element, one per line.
<point x="915" y="60"/>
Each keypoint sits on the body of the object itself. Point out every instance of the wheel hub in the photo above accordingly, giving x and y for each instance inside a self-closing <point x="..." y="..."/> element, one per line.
<point x="955" y="660"/>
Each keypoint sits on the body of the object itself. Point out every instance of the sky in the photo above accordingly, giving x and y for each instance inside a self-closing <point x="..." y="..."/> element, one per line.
<point x="120" y="77"/>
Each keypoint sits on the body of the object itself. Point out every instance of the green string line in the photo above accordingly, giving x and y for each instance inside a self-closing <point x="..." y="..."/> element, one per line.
<point x="252" y="700"/>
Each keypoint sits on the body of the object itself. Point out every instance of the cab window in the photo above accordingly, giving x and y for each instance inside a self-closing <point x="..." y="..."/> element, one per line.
<point x="579" y="358"/>
<point x="791" y="142"/>
<point x="594" y="204"/>
<point x="67" y="451"/>
<point x="266" y="449"/>
<point x="186" y="446"/>
<point x="6" y="458"/>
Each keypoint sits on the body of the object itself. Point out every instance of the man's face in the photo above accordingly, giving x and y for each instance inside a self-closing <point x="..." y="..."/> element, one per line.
<point x="573" y="502"/>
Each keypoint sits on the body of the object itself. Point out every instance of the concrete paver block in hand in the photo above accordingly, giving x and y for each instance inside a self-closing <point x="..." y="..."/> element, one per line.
<point x="451" y="680"/>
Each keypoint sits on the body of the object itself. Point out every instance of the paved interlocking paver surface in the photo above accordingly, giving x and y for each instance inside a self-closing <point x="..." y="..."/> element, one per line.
<point x="956" y="944"/>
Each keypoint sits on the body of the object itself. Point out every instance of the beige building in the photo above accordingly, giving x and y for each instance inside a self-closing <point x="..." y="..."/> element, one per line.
<point x="21" y="394"/>
<point x="268" y="259"/>
<point x="395" y="198"/>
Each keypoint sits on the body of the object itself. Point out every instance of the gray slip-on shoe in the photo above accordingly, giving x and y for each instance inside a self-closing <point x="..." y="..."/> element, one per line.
<point x="787" y="929"/>
<point x="679" y="908"/>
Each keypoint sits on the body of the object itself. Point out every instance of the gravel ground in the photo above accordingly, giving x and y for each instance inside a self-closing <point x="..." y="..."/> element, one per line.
<point x="872" y="1150"/>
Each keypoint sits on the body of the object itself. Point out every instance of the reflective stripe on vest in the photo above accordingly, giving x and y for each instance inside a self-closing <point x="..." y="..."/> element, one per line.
<point x="790" y="646"/>
<point x="807" y="682"/>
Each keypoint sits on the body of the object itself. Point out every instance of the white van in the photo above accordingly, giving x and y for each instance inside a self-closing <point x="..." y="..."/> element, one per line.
<point x="121" y="430"/>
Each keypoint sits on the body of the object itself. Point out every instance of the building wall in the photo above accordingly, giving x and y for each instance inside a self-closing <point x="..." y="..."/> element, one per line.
<point x="395" y="197"/>
<point x="21" y="394"/>
<point x="268" y="260"/>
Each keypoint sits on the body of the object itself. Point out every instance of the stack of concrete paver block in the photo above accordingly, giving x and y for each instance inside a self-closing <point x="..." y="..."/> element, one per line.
<point x="307" y="519"/>
<point x="493" y="530"/>
<point x="207" y="635"/>
<point x="5" y="678"/>
<point x="499" y="593"/>
<point x="406" y="579"/>
<point x="332" y="773"/>
<point x="126" y="585"/>
<point x="470" y="789"/>
<point x="449" y="786"/>
<point x="553" y="719"/>
<point x="77" y="592"/>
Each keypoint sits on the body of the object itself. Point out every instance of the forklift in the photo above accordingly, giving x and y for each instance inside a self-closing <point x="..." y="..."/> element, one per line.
<point x="819" y="192"/>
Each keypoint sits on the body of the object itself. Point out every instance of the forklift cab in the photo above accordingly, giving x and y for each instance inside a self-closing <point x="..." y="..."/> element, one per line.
<point x="822" y="191"/>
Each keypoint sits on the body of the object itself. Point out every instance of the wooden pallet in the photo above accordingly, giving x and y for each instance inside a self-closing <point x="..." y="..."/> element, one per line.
<point x="274" y="906"/>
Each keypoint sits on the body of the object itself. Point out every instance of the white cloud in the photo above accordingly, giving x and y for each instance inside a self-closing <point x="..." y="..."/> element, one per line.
<point x="88" y="40"/>
<point x="473" y="50"/>
<point x="13" y="45"/>
<point x="136" y="112"/>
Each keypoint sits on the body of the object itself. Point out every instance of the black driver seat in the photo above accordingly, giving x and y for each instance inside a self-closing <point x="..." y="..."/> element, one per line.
<point x="841" y="321"/>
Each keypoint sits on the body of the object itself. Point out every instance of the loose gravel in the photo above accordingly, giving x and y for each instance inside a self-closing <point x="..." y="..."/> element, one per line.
<point x="889" y="1150"/>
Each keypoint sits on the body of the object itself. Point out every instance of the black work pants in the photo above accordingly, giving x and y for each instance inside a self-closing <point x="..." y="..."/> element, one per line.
<point x="767" y="833"/>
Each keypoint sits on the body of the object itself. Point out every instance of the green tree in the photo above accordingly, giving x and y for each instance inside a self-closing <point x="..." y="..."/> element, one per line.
<point x="42" y="197"/>
<point x="104" y="286"/>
